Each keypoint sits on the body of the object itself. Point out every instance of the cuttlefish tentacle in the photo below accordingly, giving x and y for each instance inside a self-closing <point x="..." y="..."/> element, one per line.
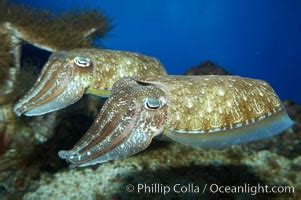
<point x="68" y="75"/>
<point x="202" y="111"/>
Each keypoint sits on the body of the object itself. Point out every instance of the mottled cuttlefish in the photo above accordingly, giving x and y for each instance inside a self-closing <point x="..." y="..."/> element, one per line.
<point x="68" y="75"/>
<point x="201" y="111"/>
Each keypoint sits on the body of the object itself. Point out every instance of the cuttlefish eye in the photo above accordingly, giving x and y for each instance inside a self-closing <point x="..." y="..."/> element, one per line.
<point x="82" y="62"/>
<point x="153" y="103"/>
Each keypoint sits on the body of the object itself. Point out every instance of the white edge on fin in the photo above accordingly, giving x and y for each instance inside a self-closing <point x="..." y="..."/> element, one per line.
<point x="266" y="128"/>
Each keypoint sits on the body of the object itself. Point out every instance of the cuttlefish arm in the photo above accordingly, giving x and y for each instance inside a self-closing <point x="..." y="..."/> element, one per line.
<point x="68" y="75"/>
<point x="201" y="111"/>
<point x="54" y="88"/>
<point x="122" y="128"/>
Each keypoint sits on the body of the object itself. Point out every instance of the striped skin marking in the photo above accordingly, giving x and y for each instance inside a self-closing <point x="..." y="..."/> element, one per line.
<point x="91" y="71"/>
<point x="188" y="110"/>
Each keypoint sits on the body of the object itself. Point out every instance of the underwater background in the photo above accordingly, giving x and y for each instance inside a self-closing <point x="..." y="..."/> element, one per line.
<point x="252" y="38"/>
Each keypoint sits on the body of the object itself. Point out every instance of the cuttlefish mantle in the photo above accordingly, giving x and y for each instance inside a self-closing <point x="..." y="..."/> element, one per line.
<point x="68" y="75"/>
<point x="200" y="111"/>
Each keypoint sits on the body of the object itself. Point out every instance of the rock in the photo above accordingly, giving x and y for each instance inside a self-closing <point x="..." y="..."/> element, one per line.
<point x="38" y="173"/>
<point x="273" y="162"/>
<point x="169" y="164"/>
<point x="207" y="68"/>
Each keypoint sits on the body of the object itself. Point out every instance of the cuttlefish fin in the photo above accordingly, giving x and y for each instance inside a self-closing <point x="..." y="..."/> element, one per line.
<point x="265" y="128"/>
<point x="100" y="93"/>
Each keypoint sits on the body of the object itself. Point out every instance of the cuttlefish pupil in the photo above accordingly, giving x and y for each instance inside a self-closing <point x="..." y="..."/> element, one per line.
<point x="152" y="103"/>
<point x="199" y="111"/>
<point x="82" y="62"/>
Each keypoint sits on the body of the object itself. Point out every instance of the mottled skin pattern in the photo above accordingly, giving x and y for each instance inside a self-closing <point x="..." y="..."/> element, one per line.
<point x="214" y="103"/>
<point x="205" y="111"/>
<point x="68" y="75"/>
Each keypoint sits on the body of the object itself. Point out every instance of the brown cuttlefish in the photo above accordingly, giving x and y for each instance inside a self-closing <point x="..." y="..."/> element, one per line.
<point x="68" y="75"/>
<point x="201" y="111"/>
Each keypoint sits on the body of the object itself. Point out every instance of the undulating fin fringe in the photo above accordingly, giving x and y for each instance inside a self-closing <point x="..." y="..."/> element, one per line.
<point x="268" y="127"/>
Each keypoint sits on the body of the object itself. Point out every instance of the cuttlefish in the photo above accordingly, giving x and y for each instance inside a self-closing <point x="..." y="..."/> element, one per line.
<point x="68" y="75"/>
<point x="199" y="111"/>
